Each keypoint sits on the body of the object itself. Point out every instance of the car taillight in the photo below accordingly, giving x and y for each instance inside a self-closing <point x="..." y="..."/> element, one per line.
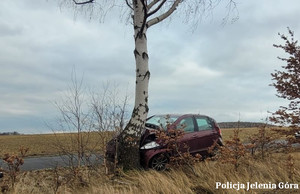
<point x="219" y="130"/>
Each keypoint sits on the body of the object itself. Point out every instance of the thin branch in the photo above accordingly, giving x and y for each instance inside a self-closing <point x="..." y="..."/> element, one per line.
<point x="84" y="2"/>
<point x="128" y="4"/>
<point x="231" y="6"/>
<point x="164" y="15"/>
<point x="152" y="4"/>
<point x="158" y="8"/>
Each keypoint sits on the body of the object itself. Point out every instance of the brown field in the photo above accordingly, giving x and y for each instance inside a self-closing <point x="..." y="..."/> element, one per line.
<point x="49" y="144"/>
<point x="46" y="144"/>
<point x="244" y="133"/>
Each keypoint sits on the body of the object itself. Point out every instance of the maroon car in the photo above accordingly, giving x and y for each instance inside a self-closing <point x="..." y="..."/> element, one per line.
<point x="200" y="133"/>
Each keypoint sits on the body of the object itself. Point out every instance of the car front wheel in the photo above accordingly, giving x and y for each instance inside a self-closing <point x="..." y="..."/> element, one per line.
<point x="159" y="162"/>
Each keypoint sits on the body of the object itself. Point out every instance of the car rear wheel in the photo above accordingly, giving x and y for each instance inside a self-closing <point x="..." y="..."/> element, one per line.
<point x="159" y="162"/>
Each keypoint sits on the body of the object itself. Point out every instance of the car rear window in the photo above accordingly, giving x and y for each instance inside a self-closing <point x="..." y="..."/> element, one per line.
<point x="203" y="124"/>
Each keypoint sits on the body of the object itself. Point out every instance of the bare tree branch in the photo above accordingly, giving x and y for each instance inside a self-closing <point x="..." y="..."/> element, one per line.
<point x="164" y="15"/>
<point x="84" y="2"/>
<point x="231" y="7"/>
<point x="128" y="4"/>
<point x="152" y="4"/>
<point x="158" y="8"/>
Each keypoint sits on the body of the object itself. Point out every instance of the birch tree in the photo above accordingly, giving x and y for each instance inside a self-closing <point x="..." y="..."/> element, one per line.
<point x="146" y="14"/>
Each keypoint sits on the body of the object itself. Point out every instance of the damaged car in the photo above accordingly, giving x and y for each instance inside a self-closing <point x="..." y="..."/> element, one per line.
<point x="200" y="133"/>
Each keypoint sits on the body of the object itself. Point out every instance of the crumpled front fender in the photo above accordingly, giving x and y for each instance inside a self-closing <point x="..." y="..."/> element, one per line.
<point x="147" y="155"/>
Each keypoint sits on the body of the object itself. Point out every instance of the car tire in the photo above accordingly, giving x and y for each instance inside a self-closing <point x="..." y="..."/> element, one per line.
<point x="159" y="162"/>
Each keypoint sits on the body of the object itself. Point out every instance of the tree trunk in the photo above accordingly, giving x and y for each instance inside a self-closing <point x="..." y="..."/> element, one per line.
<point x="129" y="140"/>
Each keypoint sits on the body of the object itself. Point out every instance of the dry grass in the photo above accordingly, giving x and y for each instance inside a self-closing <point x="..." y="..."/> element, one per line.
<point x="37" y="144"/>
<point x="244" y="134"/>
<point x="47" y="144"/>
<point x="170" y="182"/>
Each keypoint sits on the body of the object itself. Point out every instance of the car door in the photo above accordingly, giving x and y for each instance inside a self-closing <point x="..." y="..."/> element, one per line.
<point x="188" y="141"/>
<point x="205" y="135"/>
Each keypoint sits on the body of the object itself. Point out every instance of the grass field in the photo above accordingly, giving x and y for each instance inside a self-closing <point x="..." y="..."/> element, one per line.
<point x="47" y="144"/>
<point x="274" y="169"/>
<point x="244" y="133"/>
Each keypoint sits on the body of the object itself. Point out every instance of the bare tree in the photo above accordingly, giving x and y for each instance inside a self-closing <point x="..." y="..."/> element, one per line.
<point x="145" y="14"/>
<point x="74" y="117"/>
<point x="109" y="109"/>
<point x="110" y="115"/>
<point x="87" y="122"/>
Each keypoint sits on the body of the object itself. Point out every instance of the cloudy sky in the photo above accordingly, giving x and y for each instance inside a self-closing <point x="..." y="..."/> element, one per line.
<point x="217" y="70"/>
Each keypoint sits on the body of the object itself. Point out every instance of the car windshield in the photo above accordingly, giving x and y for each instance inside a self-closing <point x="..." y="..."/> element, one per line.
<point x="162" y="120"/>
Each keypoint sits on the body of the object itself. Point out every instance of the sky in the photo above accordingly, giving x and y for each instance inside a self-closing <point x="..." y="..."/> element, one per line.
<point x="218" y="70"/>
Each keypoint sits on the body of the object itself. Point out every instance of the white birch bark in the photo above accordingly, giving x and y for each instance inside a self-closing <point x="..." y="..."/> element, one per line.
<point x="129" y="141"/>
<point x="140" y="110"/>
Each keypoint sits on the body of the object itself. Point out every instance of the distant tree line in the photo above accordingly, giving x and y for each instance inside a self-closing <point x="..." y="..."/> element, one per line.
<point x="10" y="133"/>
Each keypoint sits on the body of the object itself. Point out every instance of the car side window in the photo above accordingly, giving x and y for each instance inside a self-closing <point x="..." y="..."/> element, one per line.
<point x="187" y="124"/>
<point x="204" y="124"/>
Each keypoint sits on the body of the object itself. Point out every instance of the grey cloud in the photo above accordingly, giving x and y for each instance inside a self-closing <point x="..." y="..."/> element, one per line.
<point x="223" y="71"/>
<point x="241" y="52"/>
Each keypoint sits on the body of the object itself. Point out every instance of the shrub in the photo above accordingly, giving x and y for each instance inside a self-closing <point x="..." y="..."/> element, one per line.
<point x="14" y="162"/>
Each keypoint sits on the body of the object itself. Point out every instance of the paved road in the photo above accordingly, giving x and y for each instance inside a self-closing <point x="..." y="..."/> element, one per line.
<point x="285" y="143"/>
<point x="36" y="163"/>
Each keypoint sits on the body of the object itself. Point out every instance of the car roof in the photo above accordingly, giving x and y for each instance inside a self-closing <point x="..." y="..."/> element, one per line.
<point x="179" y="115"/>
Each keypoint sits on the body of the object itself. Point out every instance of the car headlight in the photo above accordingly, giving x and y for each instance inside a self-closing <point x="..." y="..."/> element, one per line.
<point x="150" y="145"/>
